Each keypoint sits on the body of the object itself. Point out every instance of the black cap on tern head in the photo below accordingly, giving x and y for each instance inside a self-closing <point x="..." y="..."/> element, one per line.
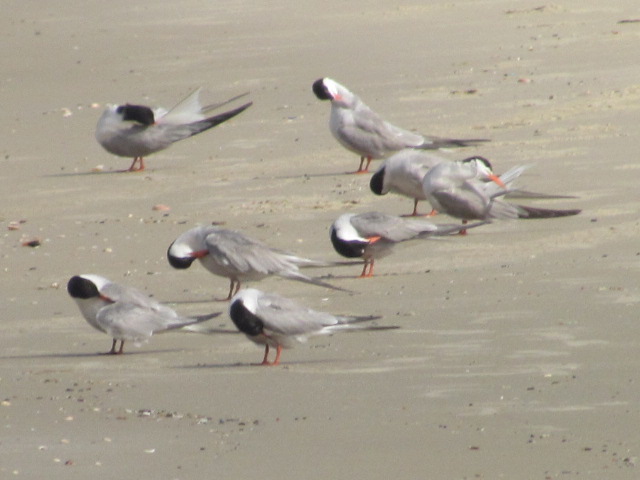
<point x="376" y="184"/>
<point x="321" y="90"/>
<point x="347" y="248"/>
<point x="79" y="287"/>
<point x="136" y="113"/>
<point x="486" y="162"/>
<point x="180" y="263"/>
<point x="247" y="322"/>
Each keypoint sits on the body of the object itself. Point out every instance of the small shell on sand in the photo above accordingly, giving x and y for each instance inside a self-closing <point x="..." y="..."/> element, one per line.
<point x="161" y="208"/>
<point x="32" y="243"/>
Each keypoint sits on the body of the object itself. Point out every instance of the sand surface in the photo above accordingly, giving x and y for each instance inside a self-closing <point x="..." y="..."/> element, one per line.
<point x="518" y="355"/>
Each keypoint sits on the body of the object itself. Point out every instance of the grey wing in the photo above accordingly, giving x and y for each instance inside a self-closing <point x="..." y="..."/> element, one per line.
<point x="465" y="202"/>
<point x="169" y="133"/>
<point x="245" y="254"/>
<point x="390" y="227"/>
<point x="503" y="210"/>
<point x="406" y="169"/>
<point x="287" y="317"/>
<point x="129" y="295"/>
<point x="133" y="322"/>
<point x="387" y="136"/>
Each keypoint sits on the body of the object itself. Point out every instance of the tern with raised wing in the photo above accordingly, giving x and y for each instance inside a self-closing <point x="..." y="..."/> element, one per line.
<point x="469" y="190"/>
<point x="136" y="131"/>
<point x="362" y="131"/>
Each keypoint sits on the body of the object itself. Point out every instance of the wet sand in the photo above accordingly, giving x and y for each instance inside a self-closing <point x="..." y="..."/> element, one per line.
<point x="518" y="354"/>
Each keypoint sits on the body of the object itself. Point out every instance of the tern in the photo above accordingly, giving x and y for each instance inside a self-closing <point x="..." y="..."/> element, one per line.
<point x="469" y="190"/>
<point x="122" y="312"/>
<point x="372" y="235"/>
<point x="402" y="173"/>
<point x="275" y="321"/>
<point x="362" y="131"/>
<point x="239" y="258"/>
<point x="136" y="131"/>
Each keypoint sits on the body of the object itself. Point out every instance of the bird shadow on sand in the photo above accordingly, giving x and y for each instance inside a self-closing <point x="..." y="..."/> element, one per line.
<point x="88" y="354"/>
<point x="314" y="175"/>
<point x="188" y="302"/>
<point x="358" y="277"/>
<point x="282" y="365"/>
<point x="89" y="173"/>
<point x="146" y="171"/>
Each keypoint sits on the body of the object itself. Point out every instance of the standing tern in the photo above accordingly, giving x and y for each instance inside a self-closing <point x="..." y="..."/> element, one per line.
<point x="136" y="131"/>
<point x="362" y="131"/>
<point x="233" y="255"/>
<point x="124" y="313"/>
<point x="274" y="321"/>
<point x="402" y="173"/>
<point x="372" y="235"/>
<point x="469" y="190"/>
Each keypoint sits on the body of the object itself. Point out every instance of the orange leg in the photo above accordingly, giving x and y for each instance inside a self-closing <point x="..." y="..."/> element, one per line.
<point x="464" y="230"/>
<point x="133" y="168"/>
<point x="232" y="291"/>
<point x="278" y="353"/>
<point x="415" y="211"/>
<point x="113" y="350"/>
<point x="368" y="264"/>
<point x="366" y="168"/>
<point x="265" y="360"/>
<point x="415" y="208"/>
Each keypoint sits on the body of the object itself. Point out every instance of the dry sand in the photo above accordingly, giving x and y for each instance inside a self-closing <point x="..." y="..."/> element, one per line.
<point x="518" y="353"/>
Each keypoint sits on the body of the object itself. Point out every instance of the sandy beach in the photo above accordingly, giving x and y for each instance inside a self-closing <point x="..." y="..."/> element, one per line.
<point x="518" y="353"/>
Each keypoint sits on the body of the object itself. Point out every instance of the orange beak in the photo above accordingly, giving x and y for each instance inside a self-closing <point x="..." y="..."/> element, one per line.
<point x="373" y="239"/>
<point x="497" y="180"/>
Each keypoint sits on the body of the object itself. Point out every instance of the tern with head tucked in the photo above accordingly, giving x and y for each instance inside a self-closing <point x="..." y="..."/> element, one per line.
<point x="136" y="131"/>
<point x="275" y="321"/>
<point x="362" y="131"/>
<point x="372" y="235"/>
<point x="469" y="190"/>
<point x="402" y="173"/>
<point x="239" y="258"/>
<point x="124" y="313"/>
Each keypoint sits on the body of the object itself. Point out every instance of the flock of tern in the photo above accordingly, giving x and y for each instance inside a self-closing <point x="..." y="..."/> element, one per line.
<point x="466" y="189"/>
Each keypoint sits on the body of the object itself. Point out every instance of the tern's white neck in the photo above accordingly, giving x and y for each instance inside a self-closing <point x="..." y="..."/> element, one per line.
<point x="345" y="229"/>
